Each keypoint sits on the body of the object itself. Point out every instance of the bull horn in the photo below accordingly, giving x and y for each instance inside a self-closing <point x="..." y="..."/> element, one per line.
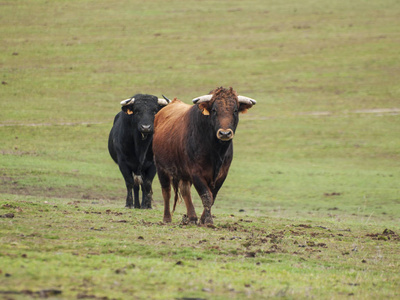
<point x="127" y="101"/>
<point x="168" y="100"/>
<point x="204" y="98"/>
<point x="246" y="100"/>
<point x="163" y="102"/>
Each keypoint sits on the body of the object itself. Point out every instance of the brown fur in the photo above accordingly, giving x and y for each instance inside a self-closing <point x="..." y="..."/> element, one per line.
<point x="188" y="149"/>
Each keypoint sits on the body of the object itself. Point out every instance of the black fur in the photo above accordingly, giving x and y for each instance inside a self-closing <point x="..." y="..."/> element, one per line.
<point x="216" y="152"/>
<point x="130" y="146"/>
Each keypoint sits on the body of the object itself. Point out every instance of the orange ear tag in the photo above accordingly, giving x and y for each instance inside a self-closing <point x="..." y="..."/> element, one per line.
<point x="129" y="112"/>
<point x="205" y="112"/>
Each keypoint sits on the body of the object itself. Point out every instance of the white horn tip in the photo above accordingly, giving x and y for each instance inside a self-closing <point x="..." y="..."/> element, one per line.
<point x="247" y="100"/>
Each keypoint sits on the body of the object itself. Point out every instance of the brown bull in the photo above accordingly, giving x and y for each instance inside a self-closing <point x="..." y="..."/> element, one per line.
<point x="192" y="144"/>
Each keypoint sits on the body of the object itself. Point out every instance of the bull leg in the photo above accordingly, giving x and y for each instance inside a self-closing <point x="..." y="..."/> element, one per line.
<point x="147" y="194"/>
<point x="129" y="198"/>
<point x="218" y="185"/>
<point x="166" y="192"/>
<point x="185" y="191"/>
<point x="147" y="191"/>
<point x="127" y="174"/>
<point x="136" y="196"/>
<point x="165" y="183"/>
<point x="206" y="197"/>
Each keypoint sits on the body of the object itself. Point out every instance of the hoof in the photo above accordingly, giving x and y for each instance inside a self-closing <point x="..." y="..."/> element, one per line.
<point x="192" y="221"/>
<point x="206" y="221"/>
<point x="189" y="220"/>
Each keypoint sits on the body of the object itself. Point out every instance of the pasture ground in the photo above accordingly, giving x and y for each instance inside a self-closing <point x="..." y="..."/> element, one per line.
<point x="310" y="208"/>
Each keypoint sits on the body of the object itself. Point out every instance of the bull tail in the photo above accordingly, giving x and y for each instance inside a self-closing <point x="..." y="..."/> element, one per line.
<point x="175" y="185"/>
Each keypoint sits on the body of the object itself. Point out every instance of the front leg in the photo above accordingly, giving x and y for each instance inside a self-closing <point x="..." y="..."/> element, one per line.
<point x="147" y="194"/>
<point x="206" y="197"/>
<point x="129" y="198"/>
<point x="127" y="174"/>
<point x="147" y="191"/>
<point x="136" y="196"/>
<point x="206" y="217"/>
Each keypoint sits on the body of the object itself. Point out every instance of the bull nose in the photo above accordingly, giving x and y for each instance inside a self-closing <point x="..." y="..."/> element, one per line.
<point x="145" y="128"/>
<point x="225" y="135"/>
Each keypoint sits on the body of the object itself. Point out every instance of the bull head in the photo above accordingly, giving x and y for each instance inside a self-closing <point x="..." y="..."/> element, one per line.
<point x="144" y="107"/>
<point x="226" y="121"/>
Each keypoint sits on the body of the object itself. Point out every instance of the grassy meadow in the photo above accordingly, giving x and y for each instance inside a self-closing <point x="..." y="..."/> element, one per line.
<point x="311" y="205"/>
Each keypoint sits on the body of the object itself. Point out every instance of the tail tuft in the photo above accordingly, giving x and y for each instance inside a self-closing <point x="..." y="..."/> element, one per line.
<point x="138" y="180"/>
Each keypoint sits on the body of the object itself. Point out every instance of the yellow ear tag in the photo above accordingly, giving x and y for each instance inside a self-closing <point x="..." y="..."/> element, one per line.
<point x="129" y="112"/>
<point x="205" y="112"/>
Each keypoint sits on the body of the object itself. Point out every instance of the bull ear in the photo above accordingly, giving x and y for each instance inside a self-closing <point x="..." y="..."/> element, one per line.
<point x="127" y="106"/>
<point x="204" y="108"/>
<point x="203" y="104"/>
<point x="128" y="109"/>
<point x="245" y="103"/>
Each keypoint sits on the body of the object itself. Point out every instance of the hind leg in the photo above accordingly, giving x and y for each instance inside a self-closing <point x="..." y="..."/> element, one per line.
<point x="165" y="183"/>
<point x="185" y="191"/>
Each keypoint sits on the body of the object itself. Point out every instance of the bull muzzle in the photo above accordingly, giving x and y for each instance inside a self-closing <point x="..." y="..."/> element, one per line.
<point x="225" y="134"/>
<point x="145" y="130"/>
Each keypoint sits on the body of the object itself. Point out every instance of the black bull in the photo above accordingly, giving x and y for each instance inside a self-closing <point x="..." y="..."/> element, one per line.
<point x="130" y="146"/>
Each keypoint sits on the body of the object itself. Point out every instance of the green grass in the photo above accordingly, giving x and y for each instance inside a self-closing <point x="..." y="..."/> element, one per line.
<point x="310" y="208"/>
<point x="98" y="248"/>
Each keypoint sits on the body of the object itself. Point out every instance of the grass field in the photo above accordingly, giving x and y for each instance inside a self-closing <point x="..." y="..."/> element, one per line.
<point x="310" y="208"/>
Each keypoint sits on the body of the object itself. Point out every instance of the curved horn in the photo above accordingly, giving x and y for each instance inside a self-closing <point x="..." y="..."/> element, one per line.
<point x="202" y="99"/>
<point x="168" y="100"/>
<point x="127" y="101"/>
<point x="163" y="102"/>
<point x="246" y="100"/>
